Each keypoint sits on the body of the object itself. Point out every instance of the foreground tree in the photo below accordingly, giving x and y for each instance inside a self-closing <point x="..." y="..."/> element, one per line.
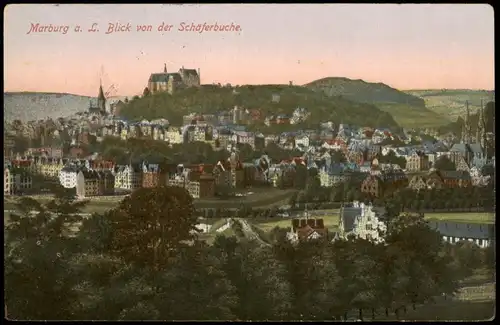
<point x="429" y="272"/>
<point x="259" y="279"/>
<point x="38" y="248"/>
<point x="150" y="225"/>
<point x="195" y="287"/>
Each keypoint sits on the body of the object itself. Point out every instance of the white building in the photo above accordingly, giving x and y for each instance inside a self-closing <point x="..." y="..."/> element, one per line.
<point x="362" y="221"/>
<point x="67" y="176"/>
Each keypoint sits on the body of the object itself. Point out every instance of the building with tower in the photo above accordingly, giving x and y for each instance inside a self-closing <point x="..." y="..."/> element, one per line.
<point x="466" y="129"/>
<point x="481" y="130"/>
<point x="471" y="149"/>
<point x="100" y="106"/>
<point x="170" y="82"/>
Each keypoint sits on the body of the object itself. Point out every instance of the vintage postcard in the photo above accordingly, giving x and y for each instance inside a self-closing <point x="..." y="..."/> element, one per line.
<point x="249" y="162"/>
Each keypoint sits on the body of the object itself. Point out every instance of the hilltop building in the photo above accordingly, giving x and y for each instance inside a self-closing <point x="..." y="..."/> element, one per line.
<point x="170" y="82"/>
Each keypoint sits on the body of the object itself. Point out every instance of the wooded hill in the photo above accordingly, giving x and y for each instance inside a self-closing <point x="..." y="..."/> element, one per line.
<point x="211" y="99"/>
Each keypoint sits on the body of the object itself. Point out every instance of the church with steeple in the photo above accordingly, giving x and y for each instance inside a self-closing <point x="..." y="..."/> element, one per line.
<point x="471" y="148"/>
<point x="100" y="106"/>
<point x="480" y="136"/>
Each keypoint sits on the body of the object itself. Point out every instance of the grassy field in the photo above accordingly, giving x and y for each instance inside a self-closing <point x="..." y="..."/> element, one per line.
<point x="261" y="197"/>
<point x="413" y="117"/>
<point x="450" y="103"/>
<point x="469" y="217"/>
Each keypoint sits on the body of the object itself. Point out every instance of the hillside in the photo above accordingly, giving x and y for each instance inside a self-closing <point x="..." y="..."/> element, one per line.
<point x="450" y="103"/>
<point x="27" y="106"/>
<point x="408" y="110"/>
<point x="213" y="99"/>
<point x="362" y="91"/>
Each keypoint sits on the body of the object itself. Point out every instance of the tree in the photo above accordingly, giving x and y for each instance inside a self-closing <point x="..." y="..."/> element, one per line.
<point x="429" y="271"/>
<point x="21" y="144"/>
<point x="146" y="92"/>
<point x="469" y="256"/>
<point x="444" y="163"/>
<point x="313" y="187"/>
<point x="259" y="279"/>
<point x="293" y="199"/>
<point x="203" y="290"/>
<point x="300" y="180"/>
<point x="149" y="225"/>
<point x="38" y="251"/>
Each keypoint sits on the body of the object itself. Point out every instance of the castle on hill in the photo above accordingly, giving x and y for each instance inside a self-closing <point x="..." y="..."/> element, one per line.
<point x="170" y="82"/>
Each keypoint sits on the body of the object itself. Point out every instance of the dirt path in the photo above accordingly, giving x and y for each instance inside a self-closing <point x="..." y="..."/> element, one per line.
<point x="250" y="233"/>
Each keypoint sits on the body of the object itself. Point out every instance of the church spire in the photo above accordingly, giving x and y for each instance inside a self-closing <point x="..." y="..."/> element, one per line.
<point x="467" y="123"/>
<point x="164" y="68"/>
<point x="480" y="124"/>
<point x="101" y="99"/>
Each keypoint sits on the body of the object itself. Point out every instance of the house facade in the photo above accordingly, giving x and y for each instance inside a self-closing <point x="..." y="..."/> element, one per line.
<point x="418" y="161"/>
<point x="305" y="229"/>
<point x="360" y="220"/>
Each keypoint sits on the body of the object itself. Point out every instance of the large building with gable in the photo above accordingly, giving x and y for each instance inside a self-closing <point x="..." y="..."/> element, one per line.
<point x="170" y="82"/>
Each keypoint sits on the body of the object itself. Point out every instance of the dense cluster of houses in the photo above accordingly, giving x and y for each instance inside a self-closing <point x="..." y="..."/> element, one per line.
<point x="319" y="149"/>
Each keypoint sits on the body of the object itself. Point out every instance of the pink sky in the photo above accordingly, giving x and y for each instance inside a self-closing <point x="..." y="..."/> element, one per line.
<point x="404" y="46"/>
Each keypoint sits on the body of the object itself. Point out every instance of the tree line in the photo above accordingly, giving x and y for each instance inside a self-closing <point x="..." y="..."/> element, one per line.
<point x="144" y="261"/>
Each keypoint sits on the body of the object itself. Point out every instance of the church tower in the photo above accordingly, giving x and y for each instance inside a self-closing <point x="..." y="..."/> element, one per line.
<point x="101" y="100"/>
<point x="466" y="129"/>
<point x="480" y="125"/>
<point x="165" y="68"/>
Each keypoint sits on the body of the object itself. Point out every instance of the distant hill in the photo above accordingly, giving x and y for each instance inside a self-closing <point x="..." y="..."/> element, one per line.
<point x="365" y="92"/>
<point x="409" y="111"/>
<point x="27" y="106"/>
<point x="211" y="99"/>
<point x="450" y="103"/>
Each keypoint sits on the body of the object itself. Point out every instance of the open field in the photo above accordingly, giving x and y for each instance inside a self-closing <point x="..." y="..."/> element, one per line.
<point x="469" y="217"/>
<point x="413" y="117"/>
<point x="260" y="197"/>
<point x="450" y="103"/>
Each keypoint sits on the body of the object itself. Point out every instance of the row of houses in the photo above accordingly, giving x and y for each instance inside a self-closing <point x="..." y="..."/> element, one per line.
<point x="377" y="178"/>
